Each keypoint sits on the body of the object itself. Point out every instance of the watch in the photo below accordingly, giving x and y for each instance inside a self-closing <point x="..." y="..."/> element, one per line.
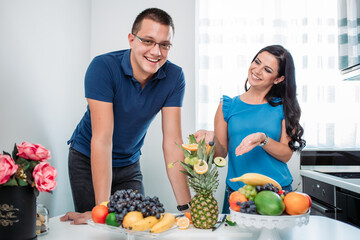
<point x="183" y="207"/>
<point x="265" y="142"/>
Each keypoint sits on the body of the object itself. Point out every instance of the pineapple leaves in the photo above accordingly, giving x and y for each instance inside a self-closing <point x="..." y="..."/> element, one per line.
<point x="189" y="170"/>
<point x="192" y="139"/>
<point x="186" y="173"/>
<point x="201" y="151"/>
<point x="186" y="153"/>
<point x="211" y="155"/>
<point x="203" y="182"/>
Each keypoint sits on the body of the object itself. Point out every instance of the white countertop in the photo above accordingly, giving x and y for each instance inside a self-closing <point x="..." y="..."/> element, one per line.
<point x="318" y="228"/>
<point x="351" y="184"/>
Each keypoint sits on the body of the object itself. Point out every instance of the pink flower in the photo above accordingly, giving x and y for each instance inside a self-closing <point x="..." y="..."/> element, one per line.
<point x="34" y="152"/>
<point x="7" y="168"/>
<point x="44" y="177"/>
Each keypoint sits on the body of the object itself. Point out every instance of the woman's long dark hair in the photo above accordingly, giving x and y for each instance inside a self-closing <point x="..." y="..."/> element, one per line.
<point x="286" y="91"/>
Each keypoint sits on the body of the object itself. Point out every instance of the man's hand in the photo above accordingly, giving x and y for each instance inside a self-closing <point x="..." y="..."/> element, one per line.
<point x="76" y="218"/>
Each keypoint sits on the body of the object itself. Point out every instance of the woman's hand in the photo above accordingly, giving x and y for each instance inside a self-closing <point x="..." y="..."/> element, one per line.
<point x="204" y="134"/>
<point x="249" y="142"/>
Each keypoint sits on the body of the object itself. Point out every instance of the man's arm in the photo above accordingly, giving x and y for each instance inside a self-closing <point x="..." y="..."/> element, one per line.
<point x="102" y="123"/>
<point x="171" y="127"/>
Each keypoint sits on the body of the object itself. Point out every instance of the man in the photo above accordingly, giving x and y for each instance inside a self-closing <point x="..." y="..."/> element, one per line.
<point x="125" y="90"/>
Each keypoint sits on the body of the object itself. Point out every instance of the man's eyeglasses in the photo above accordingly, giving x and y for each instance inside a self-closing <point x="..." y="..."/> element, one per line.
<point x="151" y="43"/>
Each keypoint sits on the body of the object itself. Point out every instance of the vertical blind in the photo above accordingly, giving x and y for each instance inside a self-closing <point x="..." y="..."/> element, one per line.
<point x="349" y="33"/>
<point x="231" y="32"/>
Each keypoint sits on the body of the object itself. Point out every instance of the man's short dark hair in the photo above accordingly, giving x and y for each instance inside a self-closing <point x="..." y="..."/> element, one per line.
<point x="154" y="14"/>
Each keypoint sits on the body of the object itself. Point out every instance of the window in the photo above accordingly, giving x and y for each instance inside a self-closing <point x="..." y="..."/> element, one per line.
<point x="231" y="32"/>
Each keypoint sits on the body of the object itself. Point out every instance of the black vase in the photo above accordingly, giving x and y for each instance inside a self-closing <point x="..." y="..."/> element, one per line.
<point x="17" y="213"/>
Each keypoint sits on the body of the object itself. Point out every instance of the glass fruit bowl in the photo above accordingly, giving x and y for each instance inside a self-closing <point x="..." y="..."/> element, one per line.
<point x="131" y="234"/>
<point x="269" y="225"/>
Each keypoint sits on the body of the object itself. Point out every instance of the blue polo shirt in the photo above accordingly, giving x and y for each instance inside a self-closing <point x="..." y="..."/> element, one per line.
<point x="109" y="78"/>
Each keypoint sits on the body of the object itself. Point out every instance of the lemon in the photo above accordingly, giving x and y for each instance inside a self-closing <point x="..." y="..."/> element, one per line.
<point x="201" y="167"/>
<point x="220" y="161"/>
<point x="105" y="203"/>
<point x="131" y="217"/>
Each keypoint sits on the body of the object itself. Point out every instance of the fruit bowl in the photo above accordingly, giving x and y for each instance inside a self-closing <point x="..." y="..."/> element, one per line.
<point x="269" y="225"/>
<point x="131" y="234"/>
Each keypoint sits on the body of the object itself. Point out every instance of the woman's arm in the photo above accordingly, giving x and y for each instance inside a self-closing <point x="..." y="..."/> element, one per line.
<point x="279" y="150"/>
<point x="221" y="137"/>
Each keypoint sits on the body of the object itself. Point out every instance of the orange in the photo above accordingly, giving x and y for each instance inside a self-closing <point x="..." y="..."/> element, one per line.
<point x="99" y="213"/>
<point x="201" y="167"/>
<point x="190" y="146"/>
<point x="208" y="148"/>
<point x="234" y="198"/>
<point x="296" y="203"/>
<point x="188" y="215"/>
<point x="183" y="223"/>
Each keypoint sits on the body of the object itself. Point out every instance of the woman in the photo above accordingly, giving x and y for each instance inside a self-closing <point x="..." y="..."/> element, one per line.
<point x="260" y="128"/>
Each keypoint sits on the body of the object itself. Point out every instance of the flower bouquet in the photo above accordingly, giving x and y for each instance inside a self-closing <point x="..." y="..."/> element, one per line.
<point x="23" y="174"/>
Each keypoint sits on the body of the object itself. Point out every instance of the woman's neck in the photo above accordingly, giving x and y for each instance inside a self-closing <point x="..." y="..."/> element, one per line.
<point x="253" y="97"/>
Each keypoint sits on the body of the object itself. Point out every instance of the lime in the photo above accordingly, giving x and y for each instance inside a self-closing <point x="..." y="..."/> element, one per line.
<point x="111" y="220"/>
<point x="220" y="161"/>
<point x="228" y="221"/>
<point x="193" y="161"/>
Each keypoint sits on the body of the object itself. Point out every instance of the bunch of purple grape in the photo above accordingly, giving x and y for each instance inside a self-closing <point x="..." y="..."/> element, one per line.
<point x="124" y="201"/>
<point x="248" y="207"/>
<point x="268" y="187"/>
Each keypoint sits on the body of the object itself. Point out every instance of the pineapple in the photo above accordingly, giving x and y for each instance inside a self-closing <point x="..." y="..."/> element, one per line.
<point x="204" y="207"/>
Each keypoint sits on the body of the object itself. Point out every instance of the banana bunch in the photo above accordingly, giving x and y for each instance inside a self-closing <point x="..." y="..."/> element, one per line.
<point x="166" y="222"/>
<point x="144" y="224"/>
<point x="256" y="179"/>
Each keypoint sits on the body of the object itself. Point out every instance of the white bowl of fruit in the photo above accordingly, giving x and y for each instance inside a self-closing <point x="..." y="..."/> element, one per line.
<point x="262" y="204"/>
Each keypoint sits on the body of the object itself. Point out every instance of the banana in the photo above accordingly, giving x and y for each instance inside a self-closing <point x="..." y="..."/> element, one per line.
<point x="256" y="179"/>
<point x="144" y="224"/>
<point x="165" y="223"/>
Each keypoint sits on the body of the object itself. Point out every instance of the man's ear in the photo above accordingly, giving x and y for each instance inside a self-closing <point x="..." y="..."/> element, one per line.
<point x="279" y="80"/>
<point x="131" y="39"/>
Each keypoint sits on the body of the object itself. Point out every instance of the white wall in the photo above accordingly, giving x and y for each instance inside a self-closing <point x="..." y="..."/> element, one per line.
<point x="45" y="50"/>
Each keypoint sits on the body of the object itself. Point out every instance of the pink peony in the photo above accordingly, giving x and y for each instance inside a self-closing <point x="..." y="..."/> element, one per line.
<point x="34" y="152"/>
<point x="7" y="168"/>
<point x="44" y="177"/>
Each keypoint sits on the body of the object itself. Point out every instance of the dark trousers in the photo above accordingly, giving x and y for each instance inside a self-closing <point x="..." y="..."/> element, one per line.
<point x="228" y="191"/>
<point x="128" y="177"/>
